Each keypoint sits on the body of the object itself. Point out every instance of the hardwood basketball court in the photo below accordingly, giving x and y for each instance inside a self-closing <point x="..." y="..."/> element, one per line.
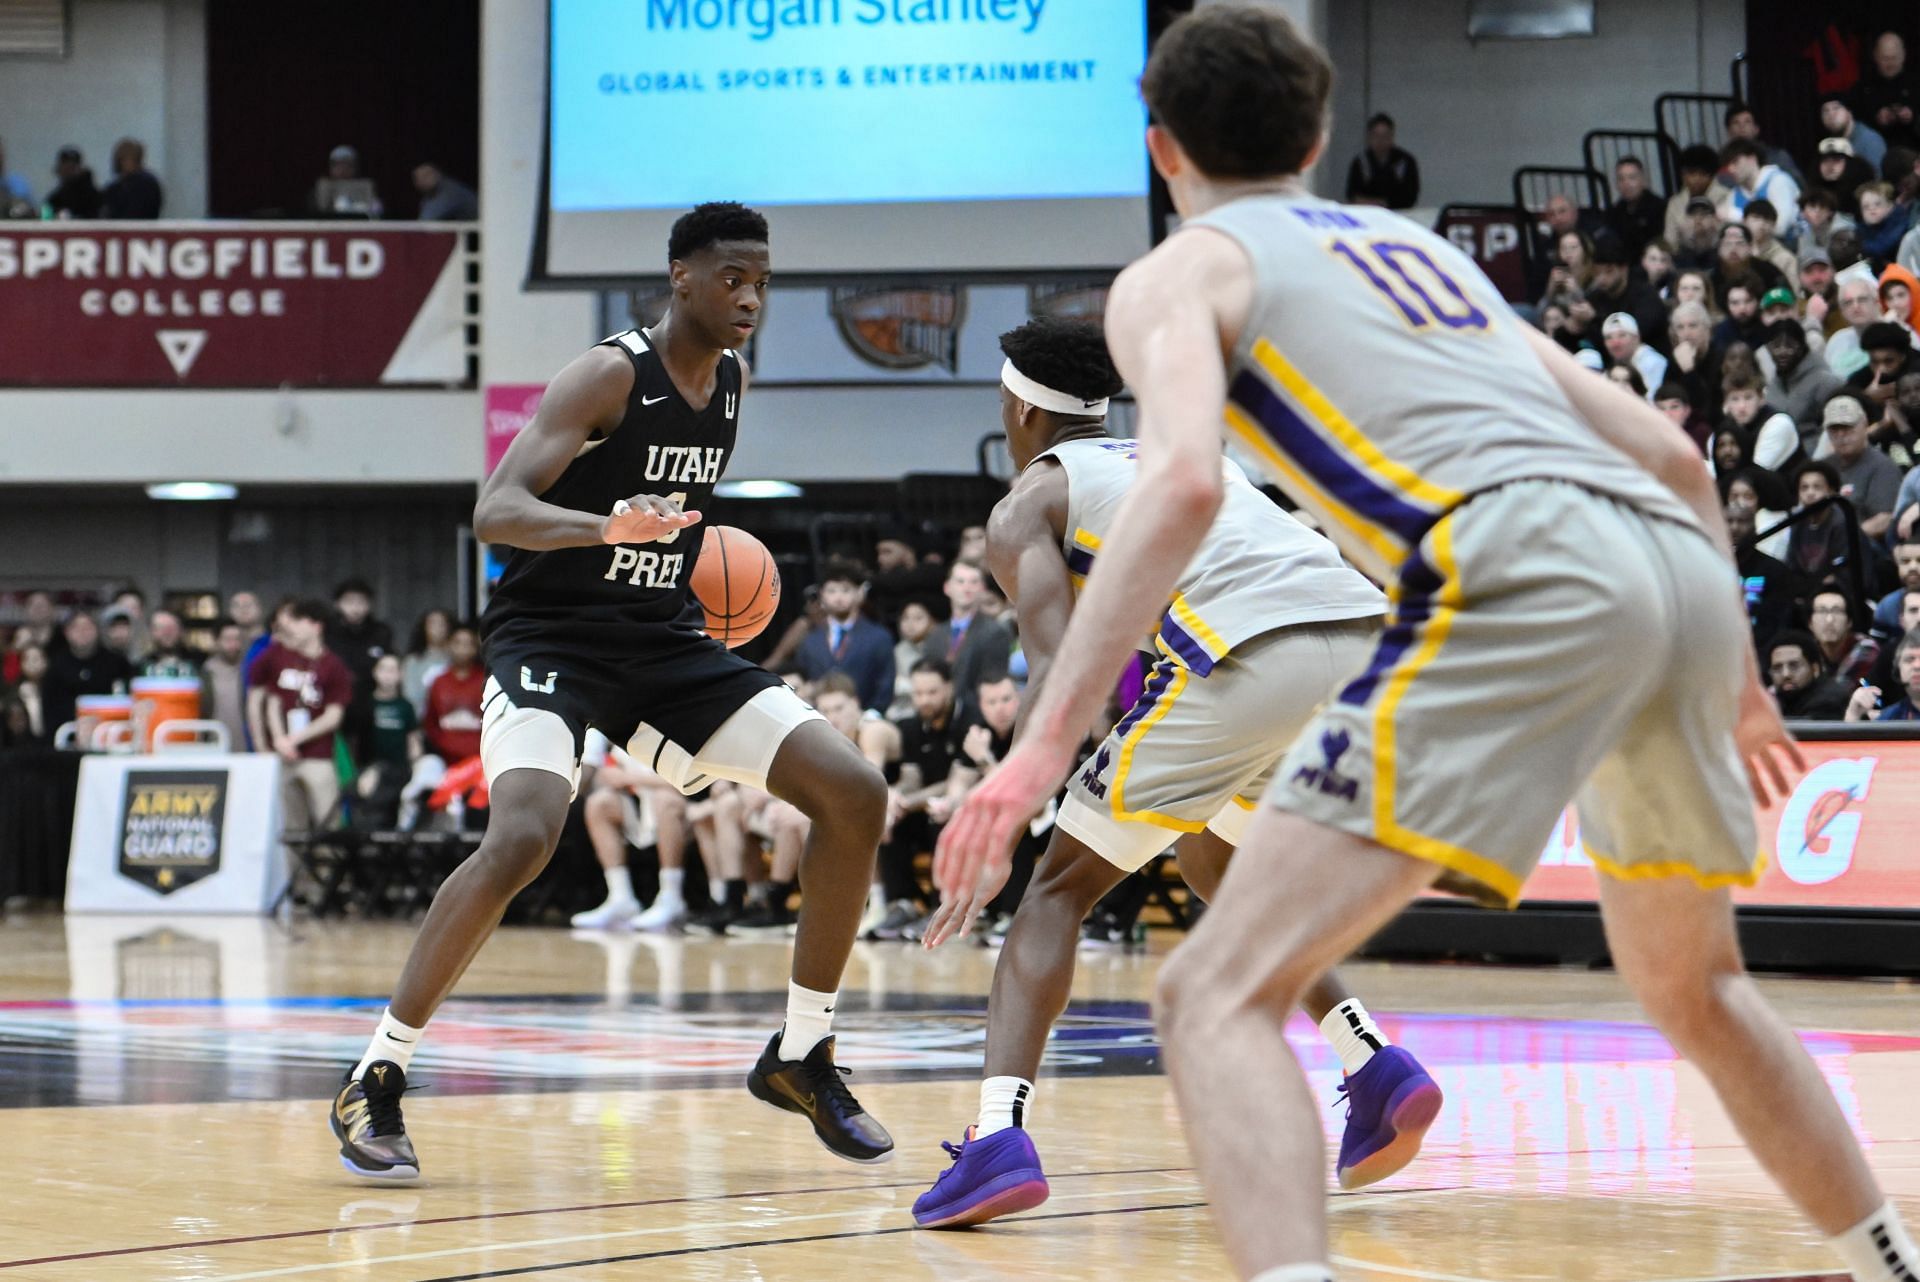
<point x="165" y="1091"/>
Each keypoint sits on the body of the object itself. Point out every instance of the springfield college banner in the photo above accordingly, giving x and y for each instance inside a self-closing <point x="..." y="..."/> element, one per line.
<point x="230" y="305"/>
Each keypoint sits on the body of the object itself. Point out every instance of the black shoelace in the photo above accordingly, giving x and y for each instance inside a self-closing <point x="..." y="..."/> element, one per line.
<point x="828" y="1080"/>
<point x="383" y="1110"/>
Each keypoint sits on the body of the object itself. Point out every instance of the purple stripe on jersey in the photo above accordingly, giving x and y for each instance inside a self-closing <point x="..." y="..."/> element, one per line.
<point x="1419" y="584"/>
<point x="1184" y="644"/>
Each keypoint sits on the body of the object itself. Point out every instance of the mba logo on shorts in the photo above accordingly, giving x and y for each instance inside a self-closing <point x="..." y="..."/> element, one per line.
<point x="538" y="687"/>
<point x="1090" y="777"/>
<point x="1327" y="779"/>
<point x="901" y="328"/>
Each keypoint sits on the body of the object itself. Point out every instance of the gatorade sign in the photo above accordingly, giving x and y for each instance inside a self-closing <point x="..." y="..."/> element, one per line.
<point x="1847" y="836"/>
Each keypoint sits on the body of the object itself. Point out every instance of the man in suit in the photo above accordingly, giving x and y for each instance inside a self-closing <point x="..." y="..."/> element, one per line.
<point x="977" y="647"/>
<point x="847" y="641"/>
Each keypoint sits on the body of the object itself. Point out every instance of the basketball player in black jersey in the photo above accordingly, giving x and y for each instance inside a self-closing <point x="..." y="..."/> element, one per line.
<point x="593" y="625"/>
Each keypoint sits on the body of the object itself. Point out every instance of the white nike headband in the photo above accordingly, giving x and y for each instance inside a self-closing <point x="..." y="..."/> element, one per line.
<point x="1040" y="396"/>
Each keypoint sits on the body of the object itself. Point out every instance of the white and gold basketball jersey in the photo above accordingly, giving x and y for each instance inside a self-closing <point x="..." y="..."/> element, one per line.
<point x="1381" y="379"/>
<point x="1258" y="570"/>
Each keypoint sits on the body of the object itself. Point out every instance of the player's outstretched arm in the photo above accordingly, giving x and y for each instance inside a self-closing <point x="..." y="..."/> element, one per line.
<point x="1023" y="551"/>
<point x="1166" y="321"/>
<point x="588" y="396"/>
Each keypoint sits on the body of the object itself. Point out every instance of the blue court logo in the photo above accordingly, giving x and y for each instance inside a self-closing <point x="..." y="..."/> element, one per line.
<point x="1326" y="779"/>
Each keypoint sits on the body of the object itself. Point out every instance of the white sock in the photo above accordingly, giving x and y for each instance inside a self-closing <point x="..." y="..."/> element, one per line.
<point x="809" y="1020"/>
<point x="1004" y="1102"/>
<point x="619" y="885"/>
<point x="1297" y="1273"/>
<point x="1878" y="1249"/>
<point x="670" y="882"/>
<point x="392" y="1041"/>
<point x="1352" y="1034"/>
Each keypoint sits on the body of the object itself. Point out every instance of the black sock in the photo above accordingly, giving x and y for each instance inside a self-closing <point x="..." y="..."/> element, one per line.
<point x="736" y="894"/>
<point x="779" y="894"/>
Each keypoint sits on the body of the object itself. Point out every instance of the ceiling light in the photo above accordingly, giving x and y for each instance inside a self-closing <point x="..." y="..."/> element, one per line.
<point x="756" y="490"/>
<point x="192" y="491"/>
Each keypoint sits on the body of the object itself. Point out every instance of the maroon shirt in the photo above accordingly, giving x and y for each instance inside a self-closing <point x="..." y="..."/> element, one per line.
<point x="304" y="688"/>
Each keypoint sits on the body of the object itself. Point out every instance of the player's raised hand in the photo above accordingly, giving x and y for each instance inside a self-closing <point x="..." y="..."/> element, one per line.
<point x="978" y="843"/>
<point x="643" y="519"/>
<point x="1764" y="742"/>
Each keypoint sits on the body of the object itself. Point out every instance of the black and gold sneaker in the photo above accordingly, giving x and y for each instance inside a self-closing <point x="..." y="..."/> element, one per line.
<point x="815" y="1088"/>
<point x="366" y="1121"/>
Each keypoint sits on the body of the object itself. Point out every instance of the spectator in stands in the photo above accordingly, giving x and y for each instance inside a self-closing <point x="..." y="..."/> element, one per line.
<point x="847" y="641"/>
<point x="1845" y="248"/>
<point x="1765" y="583"/>
<point x="1819" y="300"/>
<point x="1890" y="355"/>
<point x="1752" y="488"/>
<point x="1868" y="478"/>
<point x="443" y="199"/>
<point x="1574" y="268"/>
<point x="168" y="654"/>
<point x="1869" y="703"/>
<point x="1621" y="333"/>
<point x="916" y="634"/>
<point x="1770" y="437"/>
<point x="973" y="544"/>
<point x="131" y="602"/>
<point x="306" y="690"/>
<point x="12" y="186"/>
<point x="1843" y="173"/>
<point x="918" y="805"/>
<point x="394" y="740"/>
<point x="1859" y="295"/>
<point x="117" y="634"/>
<point x="1847" y="653"/>
<point x="134" y="193"/>
<point x="427" y="655"/>
<point x="1612" y="288"/>
<point x="1558" y="217"/>
<point x="1742" y="323"/>
<point x="1761" y="221"/>
<point x="1637" y="216"/>
<point x="30" y="692"/>
<point x="900" y="575"/>
<point x="358" y="638"/>
<point x="1629" y="377"/>
<point x="1838" y="122"/>
<point x="1898" y="431"/>
<point x="74" y="194"/>
<point x="1888" y="610"/>
<point x="1881" y="229"/>
<point x="1383" y="174"/>
<point x="1698" y="166"/>
<point x="40" y="627"/>
<point x="977" y="647"/>
<point x="344" y="190"/>
<point x="1695" y="285"/>
<point x="1756" y="178"/>
<point x="1886" y="95"/>
<point x="1697" y="247"/>
<point x="224" y="692"/>
<point x="455" y="700"/>
<point x="1898" y="289"/>
<point x="1801" y="685"/>
<point x="1820" y="218"/>
<point x="1817" y="546"/>
<point x="1801" y="385"/>
<point x="1671" y="399"/>
<point x="1744" y="127"/>
<point x="1656" y="266"/>
<point x="244" y="609"/>
<point x="1735" y="261"/>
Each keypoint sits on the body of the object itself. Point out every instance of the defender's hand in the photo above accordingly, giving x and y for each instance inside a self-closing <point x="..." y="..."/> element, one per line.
<point x="955" y="917"/>
<point x="1763" y="741"/>
<point x="978" y="844"/>
<point x="643" y="519"/>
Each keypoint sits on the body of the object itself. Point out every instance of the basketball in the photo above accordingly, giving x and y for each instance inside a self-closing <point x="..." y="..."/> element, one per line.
<point x="736" y="583"/>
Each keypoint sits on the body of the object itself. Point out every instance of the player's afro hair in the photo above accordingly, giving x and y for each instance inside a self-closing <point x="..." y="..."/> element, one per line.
<point x="1067" y="355"/>
<point x="715" y="221"/>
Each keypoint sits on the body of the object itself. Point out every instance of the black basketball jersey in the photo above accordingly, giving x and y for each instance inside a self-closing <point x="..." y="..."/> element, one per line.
<point x="663" y="446"/>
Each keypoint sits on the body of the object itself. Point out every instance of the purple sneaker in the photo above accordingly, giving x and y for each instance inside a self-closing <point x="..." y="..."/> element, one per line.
<point x="1390" y="1104"/>
<point x="989" y="1178"/>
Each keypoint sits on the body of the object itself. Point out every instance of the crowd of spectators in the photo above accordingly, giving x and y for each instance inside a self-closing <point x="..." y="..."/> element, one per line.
<point x="1767" y="306"/>
<point x="134" y="192"/>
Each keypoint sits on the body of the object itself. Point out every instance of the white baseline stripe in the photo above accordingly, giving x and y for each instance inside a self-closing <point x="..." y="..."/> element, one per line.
<point x="761" y="1223"/>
